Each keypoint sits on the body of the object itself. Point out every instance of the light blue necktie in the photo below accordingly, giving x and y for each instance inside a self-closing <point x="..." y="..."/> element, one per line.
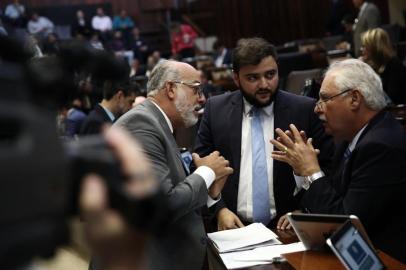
<point x="260" y="191"/>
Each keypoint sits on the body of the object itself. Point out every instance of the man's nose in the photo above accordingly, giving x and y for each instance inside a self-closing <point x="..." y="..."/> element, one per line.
<point x="317" y="109"/>
<point x="201" y="99"/>
<point x="263" y="82"/>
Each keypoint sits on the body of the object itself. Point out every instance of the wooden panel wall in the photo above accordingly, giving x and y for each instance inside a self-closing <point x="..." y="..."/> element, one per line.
<point x="277" y="20"/>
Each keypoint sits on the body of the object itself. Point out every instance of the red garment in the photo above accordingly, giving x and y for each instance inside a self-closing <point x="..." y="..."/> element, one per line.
<point x="184" y="39"/>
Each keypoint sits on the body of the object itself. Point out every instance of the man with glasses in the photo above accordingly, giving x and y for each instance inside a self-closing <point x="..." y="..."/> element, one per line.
<point x="369" y="179"/>
<point x="174" y="99"/>
<point x="240" y="125"/>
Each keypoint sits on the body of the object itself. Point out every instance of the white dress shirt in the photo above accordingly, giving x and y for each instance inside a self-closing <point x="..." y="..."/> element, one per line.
<point x="102" y="23"/>
<point x="244" y="201"/>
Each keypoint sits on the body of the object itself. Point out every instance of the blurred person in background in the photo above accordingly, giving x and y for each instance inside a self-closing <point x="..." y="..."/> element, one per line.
<point x="81" y="26"/>
<point x="117" y="100"/>
<point x="123" y="23"/>
<point x="378" y="52"/>
<point x="102" y="24"/>
<point x="15" y="14"/>
<point x="183" y="40"/>
<point x="368" y="17"/>
<point x="40" y="26"/>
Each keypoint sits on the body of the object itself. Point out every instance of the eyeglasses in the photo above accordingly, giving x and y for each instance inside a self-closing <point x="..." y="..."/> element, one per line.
<point x="324" y="100"/>
<point x="195" y="86"/>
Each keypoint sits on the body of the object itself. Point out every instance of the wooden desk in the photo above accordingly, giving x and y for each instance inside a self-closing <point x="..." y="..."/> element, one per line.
<point x="308" y="260"/>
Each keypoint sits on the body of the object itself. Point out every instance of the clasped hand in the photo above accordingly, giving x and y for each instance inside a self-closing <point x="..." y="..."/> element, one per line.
<point x="221" y="168"/>
<point x="297" y="150"/>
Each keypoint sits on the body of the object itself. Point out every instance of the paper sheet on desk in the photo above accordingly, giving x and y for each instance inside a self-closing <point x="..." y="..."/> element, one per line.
<point x="257" y="256"/>
<point x="243" y="238"/>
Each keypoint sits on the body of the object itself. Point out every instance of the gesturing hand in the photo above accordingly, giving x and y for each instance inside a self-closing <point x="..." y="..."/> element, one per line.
<point x="296" y="150"/>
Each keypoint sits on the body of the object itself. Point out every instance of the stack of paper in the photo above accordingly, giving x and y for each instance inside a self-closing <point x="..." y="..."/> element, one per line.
<point x="249" y="237"/>
<point x="251" y="245"/>
<point x="257" y="256"/>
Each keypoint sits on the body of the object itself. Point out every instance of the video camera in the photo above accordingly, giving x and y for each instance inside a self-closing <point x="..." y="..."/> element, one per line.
<point x="41" y="176"/>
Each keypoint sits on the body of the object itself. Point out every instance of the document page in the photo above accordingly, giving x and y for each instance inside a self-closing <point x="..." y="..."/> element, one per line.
<point x="249" y="237"/>
<point x="257" y="256"/>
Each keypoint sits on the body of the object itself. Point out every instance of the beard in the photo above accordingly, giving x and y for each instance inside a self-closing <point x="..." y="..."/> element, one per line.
<point x="254" y="101"/>
<point x="186" y="111"/>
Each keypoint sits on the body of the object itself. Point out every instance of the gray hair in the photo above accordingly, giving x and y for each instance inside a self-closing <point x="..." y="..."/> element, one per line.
<point x="161" y="73"/>
<point x="355" y="74"/>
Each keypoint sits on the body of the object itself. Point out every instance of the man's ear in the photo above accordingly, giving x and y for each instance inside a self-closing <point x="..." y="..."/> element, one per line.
<point x="170" y="90"/>
<point x="236" y="79"/>
<point x="356" y="99"/>
<point x="119" y="94"/>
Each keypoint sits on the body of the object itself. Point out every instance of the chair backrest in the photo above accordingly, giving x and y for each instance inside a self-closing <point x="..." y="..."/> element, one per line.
<point x="330" y="42"/>
<point x="63" y="31"/>
<point x="399" y="112"/>
<point x="288" y="62"/>
<point x="296" y="79"/>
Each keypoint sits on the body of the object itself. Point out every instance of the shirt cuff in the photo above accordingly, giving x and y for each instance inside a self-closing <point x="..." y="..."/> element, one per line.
<point x="299" y="183"/>
<point x="211" y="202"/>
<point x="209" y="176"/>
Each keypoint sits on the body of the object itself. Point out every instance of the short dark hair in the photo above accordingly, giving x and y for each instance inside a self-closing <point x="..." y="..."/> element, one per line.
<point x="111" y="88"/>
<point x="251" y="51"/>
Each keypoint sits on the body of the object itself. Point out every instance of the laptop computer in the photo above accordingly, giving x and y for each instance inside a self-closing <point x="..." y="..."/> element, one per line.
<point x="349" y="245"/>
<point x="314" y="229"/>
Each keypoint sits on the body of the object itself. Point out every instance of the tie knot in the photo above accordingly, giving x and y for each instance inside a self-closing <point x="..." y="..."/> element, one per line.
<point x="255" y="111"/>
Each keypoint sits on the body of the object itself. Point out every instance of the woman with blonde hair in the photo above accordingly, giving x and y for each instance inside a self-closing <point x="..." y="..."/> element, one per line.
<point x="378" y="52"/>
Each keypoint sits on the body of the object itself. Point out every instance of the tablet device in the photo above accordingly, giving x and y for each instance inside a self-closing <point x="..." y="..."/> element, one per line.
<point x="314" y="229"/>
<point x="353" y="250"/>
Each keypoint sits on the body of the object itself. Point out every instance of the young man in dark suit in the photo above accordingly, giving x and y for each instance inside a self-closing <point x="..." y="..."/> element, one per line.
<point x="369" y="179"/>
<point x="240" y="125"/>
<point x="118" y="98"/>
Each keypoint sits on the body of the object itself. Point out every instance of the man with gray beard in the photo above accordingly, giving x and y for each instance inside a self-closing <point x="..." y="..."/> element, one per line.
<point x="174" y="99"/>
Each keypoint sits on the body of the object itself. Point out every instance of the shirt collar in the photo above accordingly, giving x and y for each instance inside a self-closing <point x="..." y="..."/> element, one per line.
<point x="165" y="116"/>
<point x="109" y="113"/>
<point x="354" y="141"/>
<point x="268" y="110"/>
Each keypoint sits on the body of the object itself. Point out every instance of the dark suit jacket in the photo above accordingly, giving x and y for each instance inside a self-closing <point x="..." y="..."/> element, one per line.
<point x="183" y="245"/>
<point x="94" y="121"/>
<point x="220" y="129"/>
<point x="372" y="186"/>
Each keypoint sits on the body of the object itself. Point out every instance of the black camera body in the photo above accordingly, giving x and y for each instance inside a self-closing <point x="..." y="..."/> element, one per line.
<point x="40" y="175"/>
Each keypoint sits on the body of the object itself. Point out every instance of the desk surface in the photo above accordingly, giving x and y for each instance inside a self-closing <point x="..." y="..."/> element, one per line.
<point x="307" y="260"/>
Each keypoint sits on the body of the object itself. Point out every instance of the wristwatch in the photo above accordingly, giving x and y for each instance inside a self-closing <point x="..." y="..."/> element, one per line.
<point x="308" y="180"/>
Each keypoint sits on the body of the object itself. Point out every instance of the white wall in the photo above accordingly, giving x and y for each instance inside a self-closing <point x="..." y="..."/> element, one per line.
<point x="396" y="8"/>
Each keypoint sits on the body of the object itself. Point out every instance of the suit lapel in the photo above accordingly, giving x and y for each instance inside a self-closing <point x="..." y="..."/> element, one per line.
<point x="234" y="122"/>
<point x="345" y="167"/>
<point x="282" y="120"/>
<point x="162" y="121"/>
<point x="103" y="113"/>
